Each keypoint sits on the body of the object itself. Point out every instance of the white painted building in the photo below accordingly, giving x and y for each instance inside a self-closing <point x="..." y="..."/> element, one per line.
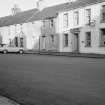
<point x="21" y="30"/>
<point x="81" y="27"/>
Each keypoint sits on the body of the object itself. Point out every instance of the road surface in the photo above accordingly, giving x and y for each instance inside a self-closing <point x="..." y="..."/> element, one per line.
<point x="52" y="80"/>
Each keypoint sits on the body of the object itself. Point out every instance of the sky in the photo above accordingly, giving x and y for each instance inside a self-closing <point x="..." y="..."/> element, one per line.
<point x="6" y="5"/>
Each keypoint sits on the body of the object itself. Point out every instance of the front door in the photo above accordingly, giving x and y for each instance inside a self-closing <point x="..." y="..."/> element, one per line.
<point x="44" y="43"/>
<point x="76" y="42"/>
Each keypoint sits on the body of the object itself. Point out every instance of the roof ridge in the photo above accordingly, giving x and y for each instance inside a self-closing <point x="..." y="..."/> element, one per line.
<point x="48" y="12"/>
<point x="19" y="13"/>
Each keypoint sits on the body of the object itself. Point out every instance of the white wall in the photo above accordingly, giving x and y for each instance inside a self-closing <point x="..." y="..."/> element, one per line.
<point x="4" y="34"/>
<point x="95" y="48"/>
<point x="31" y="32"/>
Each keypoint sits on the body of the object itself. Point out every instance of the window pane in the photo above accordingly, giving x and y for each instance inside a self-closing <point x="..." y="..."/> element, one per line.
<point x="52" y="38"/>
<point x="76" y="18"/>
<point x="66" y="20"/>
<point x="88" y="16"/>
<point x="88" y="39"/>
<point x="66" y="40"/>
<point x="16" y="41"/>
<point x="21" y="42"/>
<point x="102" y="41"/>
<point x="103" y="13"/>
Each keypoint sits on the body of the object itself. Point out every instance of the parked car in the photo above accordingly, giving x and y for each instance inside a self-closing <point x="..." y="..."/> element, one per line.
<point x="4" y="48"/>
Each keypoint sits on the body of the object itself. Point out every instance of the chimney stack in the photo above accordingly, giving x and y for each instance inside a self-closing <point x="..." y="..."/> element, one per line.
<point x="38" y="4"/>
<point x="15" y="10"/>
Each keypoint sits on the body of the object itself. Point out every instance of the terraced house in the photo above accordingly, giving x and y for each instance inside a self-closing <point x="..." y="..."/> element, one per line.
<point x="32" y="29"/>
<point x="82" y="27"/>
<point x="50" y="36"/>
<point x="49" y="39"/>
<point x="71" y="27"/>
<point x="77" y="27"/>
<point x="20" y="30"/>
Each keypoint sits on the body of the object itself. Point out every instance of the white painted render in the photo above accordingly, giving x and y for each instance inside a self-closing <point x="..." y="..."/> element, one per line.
<point x="31" y="31"/>
<point x="95" y="30"/>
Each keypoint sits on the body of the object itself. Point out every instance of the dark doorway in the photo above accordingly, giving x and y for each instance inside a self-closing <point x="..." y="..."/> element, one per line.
<point x="76" y="42"/>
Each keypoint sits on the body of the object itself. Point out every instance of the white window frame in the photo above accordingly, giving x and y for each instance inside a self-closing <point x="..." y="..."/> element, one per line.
<point x="88" y="41"/>
<point x="76" y="17"/>
<point x="51" y="23"/>
<point x="102" y="12"/>
<point x="66" y="41"/>
<point x="88" y="15"/>
<point x="65" y="20"/>
<point x="102" y="38"/>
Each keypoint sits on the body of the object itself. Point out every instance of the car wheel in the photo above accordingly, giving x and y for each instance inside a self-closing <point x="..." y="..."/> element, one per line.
<point x="21" y="51"/>
<point x="5" y="52"/>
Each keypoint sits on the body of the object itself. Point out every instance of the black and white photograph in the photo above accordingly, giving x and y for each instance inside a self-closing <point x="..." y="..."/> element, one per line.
<point x="52" y="52"/>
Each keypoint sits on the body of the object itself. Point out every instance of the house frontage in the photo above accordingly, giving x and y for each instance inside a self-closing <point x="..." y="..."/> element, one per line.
<point x="82" y="27"/>
<point x="20" y="30"/>
<point x="49" y="36"/>
<point x="77" y="27"/>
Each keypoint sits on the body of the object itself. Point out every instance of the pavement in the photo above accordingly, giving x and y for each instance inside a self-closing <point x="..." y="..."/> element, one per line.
<point x="67" y="54"/>
<point x="6" y="101"/>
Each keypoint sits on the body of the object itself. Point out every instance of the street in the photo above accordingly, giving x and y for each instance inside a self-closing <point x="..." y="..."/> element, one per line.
<point x="31" y="79"/>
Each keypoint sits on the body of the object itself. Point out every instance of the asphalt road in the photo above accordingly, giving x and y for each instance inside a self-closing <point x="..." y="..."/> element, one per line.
<point x="52" y="80"/>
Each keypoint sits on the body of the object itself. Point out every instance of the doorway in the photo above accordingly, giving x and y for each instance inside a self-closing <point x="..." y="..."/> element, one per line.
<point x="76" y="42"/>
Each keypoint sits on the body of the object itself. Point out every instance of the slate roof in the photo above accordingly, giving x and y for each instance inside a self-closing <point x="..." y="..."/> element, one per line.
<point x="49" y="12"/>
<point x="18" y="18"/>
<point x="80" y="3"/>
